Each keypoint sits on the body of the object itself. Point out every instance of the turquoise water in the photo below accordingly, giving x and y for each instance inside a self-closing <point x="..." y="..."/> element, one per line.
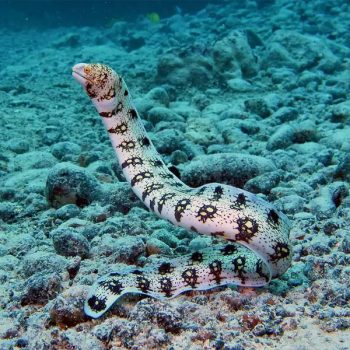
<point x="252" y="94"/>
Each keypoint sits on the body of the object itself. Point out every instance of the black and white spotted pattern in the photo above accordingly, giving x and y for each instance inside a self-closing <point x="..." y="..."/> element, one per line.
<point x="258" y="235"/>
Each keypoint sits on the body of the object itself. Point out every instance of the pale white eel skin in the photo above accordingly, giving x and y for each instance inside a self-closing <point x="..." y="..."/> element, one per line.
<point x="258" y="247"/>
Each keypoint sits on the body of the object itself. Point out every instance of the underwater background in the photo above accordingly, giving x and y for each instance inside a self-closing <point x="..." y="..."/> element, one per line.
<point x="250" y="93"/>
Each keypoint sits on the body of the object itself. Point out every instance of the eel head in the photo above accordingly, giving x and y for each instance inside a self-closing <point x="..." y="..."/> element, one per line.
<point x="100" y="83"/>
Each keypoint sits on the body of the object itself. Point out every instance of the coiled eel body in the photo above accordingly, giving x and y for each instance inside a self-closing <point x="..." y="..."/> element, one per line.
<point x="258" y="247"/>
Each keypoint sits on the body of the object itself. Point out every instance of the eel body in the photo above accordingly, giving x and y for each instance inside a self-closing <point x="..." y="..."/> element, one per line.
<point x="257" y="249"/>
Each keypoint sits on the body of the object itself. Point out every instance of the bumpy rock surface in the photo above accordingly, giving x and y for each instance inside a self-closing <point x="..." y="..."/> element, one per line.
<point x="69" y="184"/>
<point x="231" y="168"/>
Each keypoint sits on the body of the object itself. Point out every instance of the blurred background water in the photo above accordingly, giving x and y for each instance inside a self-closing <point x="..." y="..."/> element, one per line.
<point x="52" y="13"/>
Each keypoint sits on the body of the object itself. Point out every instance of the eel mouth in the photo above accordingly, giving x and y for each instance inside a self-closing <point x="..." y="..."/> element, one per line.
<point x="78" y="74"/>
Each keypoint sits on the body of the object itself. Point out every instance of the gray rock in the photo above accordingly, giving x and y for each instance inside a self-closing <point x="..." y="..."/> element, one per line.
<point x="157" y="114"/>
<point x="143" y="105"/>
<point x="43" y="261"/>
<point x="249" y="127"/>
<point x="124" y="226"/>
<point x="285" y="114"/>
<point x="253" y="38"/>
<point x="133" y="41"/>
<point x="124" y="249"/>
<point x="325" y="156"/>
<point x="232" y="135"/>
<point x="68" y="242"/>
<point x="178" y="157"/>
<point x="257" y="106"/>
<point x="233" y="114"/>
<point x="88" y="157"/>
<point x="159" y="95"/>
<point x="345" y="244"/>
<point x="240" y="85"/>
<point x="190" y="69"/>
<point x="337" y="138"/>
<point x="200" y="242"/>
<point x="165" y="317"/>
<point x="124" y="329"/>
<point x="33" y="160"/>
<point x="101" y="169"/>
<point x="305" y="131"/>
<point x="274" y="101"/>
<point x="308" y="77"/>
<point x="277" y="56"/>
<point x="50" y="135"/>
<point x="300" y="187"/>
<point x="115" y="29"/>
<point x="168" y="141"/>
<point x="342" y="170"/>
<point x="90" y="231"/>
<point x="185" y="110"/>
<point x="18" y="146"/>
<point x="329" y="199"/>
<point x="68" y="310"/>
<point x="317" y="249"/>
<point x="179" y="77"/>
<point x="341" y="112"/>
<point x="223" y="58"/>
<point x="330" y="226"/>
<point x="291" y="204"/>
<point x="20" y="244"/>
<point x="192" y="150"/>
<point x="95" y="213"/>
<point x="34" y="203"/>
<point x="167" y="64"/>
<point x="40" y="288"/>
<point x="303" y="52"/>
<point x="120" y="198"/>
<point x="199" y="75"/>
<point x="281" y="138"/>
<point x="329" y="63"/>
<point x="234" y="52"/>
<point x="201" y="101"/>
<point x="263" y="183"/>
<point x="283" y="76"/>
<point x="69" y="40"/>
<point x="166" y="237"/>
<point x="3" y="250"/>
<point x="67" y="211"/>
<point x="70" y="184"/>
<point x="317" y="179"/>
<point x="214" y="110"/>
<point x="8" y="211"/>
<point x="9" y="263"/>
<point x="202" y="131"/>
<point x="231" y="168"/>
<point x="167" y="125"/>
<point x="66" y="151"/>
<point x="156" y="246"/>
<point x="337" y="93"/>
